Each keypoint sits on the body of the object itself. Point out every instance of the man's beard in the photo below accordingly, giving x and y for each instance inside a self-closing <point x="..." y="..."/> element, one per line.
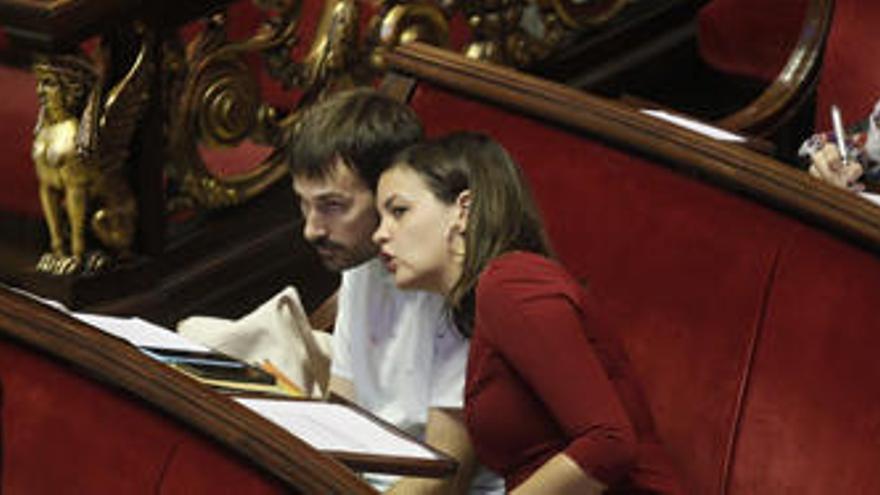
<point x="336" y="257"/>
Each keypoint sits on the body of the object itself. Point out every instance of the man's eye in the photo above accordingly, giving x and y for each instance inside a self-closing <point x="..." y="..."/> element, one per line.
<point x="333" y="207"/>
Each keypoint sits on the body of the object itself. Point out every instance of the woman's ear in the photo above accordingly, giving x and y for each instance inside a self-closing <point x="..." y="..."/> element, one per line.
<point x="463" y="206"/>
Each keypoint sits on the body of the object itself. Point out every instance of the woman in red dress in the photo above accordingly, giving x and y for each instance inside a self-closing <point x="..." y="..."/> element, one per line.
<point x="551" y="402"/>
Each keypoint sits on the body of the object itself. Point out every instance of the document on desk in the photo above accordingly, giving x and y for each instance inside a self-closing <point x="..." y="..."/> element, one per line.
<point x="140" y="332"/>
<point x="696" y="126"/>
<point x="136" y="331"/>
<point x="872" y="197"/>
<point x="337" y="428"/>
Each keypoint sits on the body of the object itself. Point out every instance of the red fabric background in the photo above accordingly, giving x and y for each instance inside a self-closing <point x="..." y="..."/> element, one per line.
<point x="18" y="114"/>
<point x="697" y="280"/>
<point x="850" y="74"/>
<point x="751" y="38"/>
<point x="812" y="421"/>
<point x="63" y="433"/>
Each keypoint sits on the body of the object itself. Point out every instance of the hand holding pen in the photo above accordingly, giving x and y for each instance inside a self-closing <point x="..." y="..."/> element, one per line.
<point x="832" y="162"/>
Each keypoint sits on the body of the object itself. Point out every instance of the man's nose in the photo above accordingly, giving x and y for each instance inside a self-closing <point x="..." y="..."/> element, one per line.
<point x="314" y="228"/>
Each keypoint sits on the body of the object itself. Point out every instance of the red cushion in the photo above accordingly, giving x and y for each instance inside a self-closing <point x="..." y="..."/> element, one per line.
<point x="751" y="38"/>
<point x="850" y="74"/>
<point x="753" y="334"/>
<point x="63" y="433"/>
<point x="676" y="266"/>
<point x="812" y="419"/>
<point x="19" y="186"/>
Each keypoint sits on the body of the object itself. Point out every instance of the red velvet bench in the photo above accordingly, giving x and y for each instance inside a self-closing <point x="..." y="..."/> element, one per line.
<point x="83" y="412"/>
<point x="850" y="75"/>
<point x="18" y="112"/>
<point x="745" y="291"/>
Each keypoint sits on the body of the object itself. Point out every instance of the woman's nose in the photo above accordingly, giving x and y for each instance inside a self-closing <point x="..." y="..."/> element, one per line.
<point x="380" y="236"/>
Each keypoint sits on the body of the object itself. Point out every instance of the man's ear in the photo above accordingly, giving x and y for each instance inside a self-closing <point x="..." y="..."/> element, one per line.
<point x="463" y="205"/>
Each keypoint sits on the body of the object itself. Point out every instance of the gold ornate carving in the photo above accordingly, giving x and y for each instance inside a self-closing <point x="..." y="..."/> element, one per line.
<point x="520" y="32"/>
<point x="214" y="102"/>
<point x="402" y="22"/>
<point x="217" y="102"/>
<point x="80" y="151"/>
<point x="510" y="32"/>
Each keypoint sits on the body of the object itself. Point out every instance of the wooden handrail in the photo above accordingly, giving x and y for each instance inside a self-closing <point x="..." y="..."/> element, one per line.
<point x="730" y="165"/>
<point x="794" y="83"/>
<point x="112" y="361"/>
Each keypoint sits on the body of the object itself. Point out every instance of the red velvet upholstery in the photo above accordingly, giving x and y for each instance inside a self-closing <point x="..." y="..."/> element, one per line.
<point x="751" y="38"/>
<point x="18" y="113"/>
<point x="64" y="433"/>
<point x="813" y="415"/>
<point x="850" y="74"/>
<point x="753" y="334"/>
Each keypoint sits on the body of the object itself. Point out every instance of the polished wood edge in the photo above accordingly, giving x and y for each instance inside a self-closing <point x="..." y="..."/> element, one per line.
<point x="795" y="81"/>
<point x="120" y="365"/>
<point x="734" y="166"/>
<point x="444" y="465"/>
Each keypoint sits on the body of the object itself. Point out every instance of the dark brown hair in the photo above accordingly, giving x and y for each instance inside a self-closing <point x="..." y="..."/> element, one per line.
<point x="503" y="216"/>
<point x="363" y="127"/>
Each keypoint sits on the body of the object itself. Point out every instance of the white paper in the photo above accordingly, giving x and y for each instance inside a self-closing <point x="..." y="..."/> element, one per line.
<point x="696" y="126"/>
<point x="140" y="332"/>
<point x="42" y="300"/>
<point x="336" y="428"/>
<point x="874" y="198"/>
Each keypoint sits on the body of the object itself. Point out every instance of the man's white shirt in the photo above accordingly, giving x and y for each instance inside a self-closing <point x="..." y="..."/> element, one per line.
<point x="402" y="355"/>
<point x="382" y="342"/>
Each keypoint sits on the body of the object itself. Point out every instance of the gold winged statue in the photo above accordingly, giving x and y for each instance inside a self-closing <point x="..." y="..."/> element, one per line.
<point x="81" y="147"/>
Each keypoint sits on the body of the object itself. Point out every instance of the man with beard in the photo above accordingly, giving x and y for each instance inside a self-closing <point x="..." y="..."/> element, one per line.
<point x="395" y="353"/>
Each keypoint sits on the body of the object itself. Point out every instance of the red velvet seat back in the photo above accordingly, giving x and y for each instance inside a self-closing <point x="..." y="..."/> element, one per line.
<point x="811" y="422"/>
<point x="850" y="75"/>
<point x="751" y="38"/>
<point x="725" y="306"/>
<point x="666" y="260"/>
<point x="18" y="114"/>
<point x="63" y="433"/>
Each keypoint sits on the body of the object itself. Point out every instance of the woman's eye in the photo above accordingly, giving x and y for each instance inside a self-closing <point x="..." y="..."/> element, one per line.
<point x="398" y="211"/>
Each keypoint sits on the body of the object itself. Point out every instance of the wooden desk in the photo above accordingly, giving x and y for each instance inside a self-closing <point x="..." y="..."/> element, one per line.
<point x="72" y="392"/>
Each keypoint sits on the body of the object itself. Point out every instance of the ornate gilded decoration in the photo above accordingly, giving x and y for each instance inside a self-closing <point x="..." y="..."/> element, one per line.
<point x="402" y="22"/>
<point x="218" y="103"/>
<point x="214" y="102"/>
<point x="520" y="32"/>
<point x="80" y="151"/>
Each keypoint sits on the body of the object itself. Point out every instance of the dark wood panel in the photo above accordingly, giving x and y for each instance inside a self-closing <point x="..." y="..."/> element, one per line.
<point x="53" y="25"/>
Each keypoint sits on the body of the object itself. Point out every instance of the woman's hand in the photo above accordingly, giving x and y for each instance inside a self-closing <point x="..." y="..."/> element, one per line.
<point x="560" y="476"/>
